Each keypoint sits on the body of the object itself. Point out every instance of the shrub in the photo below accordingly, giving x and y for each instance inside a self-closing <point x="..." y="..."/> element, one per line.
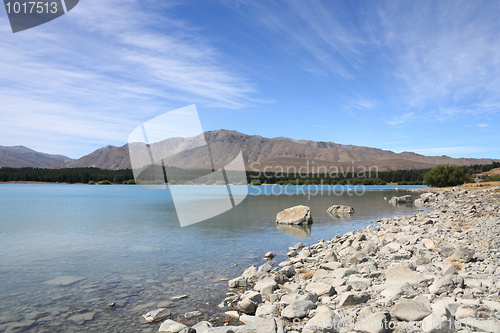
<point x="442" y="176"/>
<point x="256" y="182"/>
<point x="105" y="182"/>
<point x="91" y="182"/>
<point x="495" y="178"/>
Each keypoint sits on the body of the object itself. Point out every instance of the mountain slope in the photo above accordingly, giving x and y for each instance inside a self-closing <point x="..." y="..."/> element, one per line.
<point x="274" y="154"/>
<point x="20" y="156"/>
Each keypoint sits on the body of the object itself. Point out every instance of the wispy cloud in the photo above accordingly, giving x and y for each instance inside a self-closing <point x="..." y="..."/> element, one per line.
<point x="437" y="151"/>
<point x="401" y="119"/>
<point x="97" y="71"/>
<point x="445" y="55"/>
<point x="311" y="32"/>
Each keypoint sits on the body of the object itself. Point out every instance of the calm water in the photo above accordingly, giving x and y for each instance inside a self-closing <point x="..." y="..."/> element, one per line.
<point x="125" y="245"/>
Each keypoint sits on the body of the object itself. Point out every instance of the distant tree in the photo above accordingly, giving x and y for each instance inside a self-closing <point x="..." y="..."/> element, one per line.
<point x="495" y="178"/>
<point x="442" y="176"/>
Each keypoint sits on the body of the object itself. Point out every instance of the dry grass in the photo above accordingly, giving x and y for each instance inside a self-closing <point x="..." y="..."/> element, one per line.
<point x="308" y="275"/>
<point x="477" y="185"/>
<point x="457" y="264"/>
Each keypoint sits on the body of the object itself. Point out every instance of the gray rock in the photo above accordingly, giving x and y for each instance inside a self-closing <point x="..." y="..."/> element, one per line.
<point x="202" y="326"/>
<point x="192" y="314"/>
<point x="268" y="282"/>
<point x="298" y="309"/>
<point x="440" y="321"/>
<point x="269" y="255"/>
<point x="170" y="326"/>
<point x="353" y="298"/>
<point x="443" y="285"/>
<point x="239" y="282"/>
<point x="340" y="211"/>
<point x="401" y="200"/>
<point x="492" y="326"/>
<point x="156" y="315"/>
<point x="463" y="255"/>
<point x="247" y="306"/>
<point x="320" y="289"/>
<point x="408" y="310"/>
<point x="325" y="320"/>
<point x="375" y="323"/>
<point x="295" y="215"/>
<point x="64" y="280"/>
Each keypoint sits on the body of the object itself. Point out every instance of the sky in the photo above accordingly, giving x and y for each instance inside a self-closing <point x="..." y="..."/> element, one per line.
<point x="421" y="76"/>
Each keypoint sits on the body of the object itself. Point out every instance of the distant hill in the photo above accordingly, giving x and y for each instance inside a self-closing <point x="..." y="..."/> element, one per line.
<point x="275" y="154"/>
<point x="20" y="156"/>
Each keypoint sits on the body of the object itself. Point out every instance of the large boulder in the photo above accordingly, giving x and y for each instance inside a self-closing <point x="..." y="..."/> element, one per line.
<point x="298" y="309"/>
<point x="297" y="215"/>
<point x="408" y="310"/>
<point x="325" y="320"/>
<point x="401" y="200"/>
<point x="340" y="211"/>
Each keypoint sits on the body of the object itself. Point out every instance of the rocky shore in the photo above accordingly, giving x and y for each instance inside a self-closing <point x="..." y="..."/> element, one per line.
<point x="435" y="271"/>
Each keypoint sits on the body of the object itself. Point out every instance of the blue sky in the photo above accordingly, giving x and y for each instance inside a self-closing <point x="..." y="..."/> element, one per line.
<point x="420" y="76"/>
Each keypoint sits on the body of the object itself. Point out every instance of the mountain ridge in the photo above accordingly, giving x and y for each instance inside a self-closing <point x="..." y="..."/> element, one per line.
<point x="272" y="154"/>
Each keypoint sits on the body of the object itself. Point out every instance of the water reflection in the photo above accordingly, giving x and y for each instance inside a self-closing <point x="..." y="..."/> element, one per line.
<point x="299" y="231"/>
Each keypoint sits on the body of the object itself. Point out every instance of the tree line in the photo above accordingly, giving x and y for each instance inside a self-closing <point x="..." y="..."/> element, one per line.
<point x="125" y="176"/>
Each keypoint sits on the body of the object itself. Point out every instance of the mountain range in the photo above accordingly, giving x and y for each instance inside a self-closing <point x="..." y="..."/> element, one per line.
<point x="259" y="153"/>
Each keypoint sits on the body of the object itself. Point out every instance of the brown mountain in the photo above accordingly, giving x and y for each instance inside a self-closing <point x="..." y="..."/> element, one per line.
<point x="276" y="154"/>
<point x="20" y="156"/>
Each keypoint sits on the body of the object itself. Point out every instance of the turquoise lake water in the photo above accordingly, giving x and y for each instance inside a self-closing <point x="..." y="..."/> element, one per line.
<point x="124" y="244"/>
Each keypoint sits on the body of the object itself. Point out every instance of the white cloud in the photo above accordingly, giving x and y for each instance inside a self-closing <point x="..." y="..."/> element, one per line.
<point x="401" y="119"/>
<point x="98" y="71"/>
<point x="438" y="151"/>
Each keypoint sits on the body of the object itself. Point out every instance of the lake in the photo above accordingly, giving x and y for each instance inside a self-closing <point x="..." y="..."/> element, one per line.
<point x="67" y="251"/>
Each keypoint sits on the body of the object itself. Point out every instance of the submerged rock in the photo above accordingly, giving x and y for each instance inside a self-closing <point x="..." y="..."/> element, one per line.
<point x="156" y="315"/>
<point x="340" y="211"/>
<point x="297" y="215"/>
<point x="401" y="200"/>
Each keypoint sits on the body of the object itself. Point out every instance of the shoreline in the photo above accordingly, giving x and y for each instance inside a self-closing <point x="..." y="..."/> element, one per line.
<point x="435" y="271"/>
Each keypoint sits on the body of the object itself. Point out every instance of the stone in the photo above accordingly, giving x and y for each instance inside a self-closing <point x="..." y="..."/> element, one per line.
<point x="247" y="306"/>
<point x="401" y="274"/>
<point x="340" y="211"/>
<point x="320" y="289"/>
<point x="192" y="314"/>
<point x="449" y="269"/>
<point x="267" y="282"/>
<point x="298" y="309"/>
<point x="352" y="298"/>
<point x="295" y="215"/>
<point x="463" y="255"/>
<point x="269" y="255"/>
<point x="375" y="323"/>
<point x="178" y="297"/>
<point x="491" y="326"/>
<point x="331" y="266"/>
<point x="267" y="311"/>
<point x="156" y="315"/>
<point x="64" y="280"/>
<point x="401" y="200"/>
<point x="202" y="326"/>
<point x="170" y="326"/>
<point x="358" y="258"/>
<point x="439" y="321"/>
<point x="325" y="320"/>
<point x="239" y="282"/>
<point x="359" y="283"/>
<point x="408" y="310"/>
<point x="289" y="271"/>
<point x="443" y="285"/>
